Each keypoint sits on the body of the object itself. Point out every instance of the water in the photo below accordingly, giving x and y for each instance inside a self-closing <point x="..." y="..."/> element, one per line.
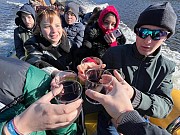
<point x="129" y="11"/>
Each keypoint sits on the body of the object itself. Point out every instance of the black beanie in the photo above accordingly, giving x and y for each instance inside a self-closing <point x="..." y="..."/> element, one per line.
<point x="161" y="15"/>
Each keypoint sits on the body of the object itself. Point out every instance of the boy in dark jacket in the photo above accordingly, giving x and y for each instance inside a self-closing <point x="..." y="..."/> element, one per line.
<point x="148" y="74"/>
<point x="26" y="23"/>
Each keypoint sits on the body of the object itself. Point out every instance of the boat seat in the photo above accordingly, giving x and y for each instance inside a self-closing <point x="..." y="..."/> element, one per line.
<point x="173" y="115"/>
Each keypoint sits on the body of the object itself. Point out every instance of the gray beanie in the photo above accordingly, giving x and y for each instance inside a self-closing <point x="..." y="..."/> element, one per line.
<point x="72" y="7"/>
<point x="161" y="15"/>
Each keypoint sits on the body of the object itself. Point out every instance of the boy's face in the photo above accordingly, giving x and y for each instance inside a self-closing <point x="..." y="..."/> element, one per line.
<point x="70" y="18"/>
<point x="147" y="46"/>
<point x="27" y="20"/>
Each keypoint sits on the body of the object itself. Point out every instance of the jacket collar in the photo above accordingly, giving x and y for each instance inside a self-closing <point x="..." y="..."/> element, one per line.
<point x="64" y="44"/>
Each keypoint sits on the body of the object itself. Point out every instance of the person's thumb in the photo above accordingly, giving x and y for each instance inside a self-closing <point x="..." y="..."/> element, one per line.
<point x="95" y="95"/>
<point x="49" y="96"/>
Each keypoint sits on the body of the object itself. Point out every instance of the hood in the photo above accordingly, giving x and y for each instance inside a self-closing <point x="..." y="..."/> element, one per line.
<point x="105" y="11"/>
<point x="28" y="9"/>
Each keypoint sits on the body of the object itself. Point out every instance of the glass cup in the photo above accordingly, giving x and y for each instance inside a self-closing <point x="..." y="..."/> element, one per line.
<point x="118" y="70"/>
<point x="96" y="60"/>
<point x="72" y="90"/>
<point x="65" y="76"/>
<point x="97" y="80"/>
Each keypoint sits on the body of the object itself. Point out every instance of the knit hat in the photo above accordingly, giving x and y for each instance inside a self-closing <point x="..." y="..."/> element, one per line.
<point x="161" y="15"/>
<point x="72" y="7"/>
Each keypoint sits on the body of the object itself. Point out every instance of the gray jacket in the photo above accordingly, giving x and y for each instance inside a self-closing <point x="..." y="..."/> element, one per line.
<point x="150" y="76"/>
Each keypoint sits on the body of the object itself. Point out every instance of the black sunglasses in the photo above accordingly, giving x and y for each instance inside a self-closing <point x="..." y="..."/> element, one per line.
<point x="155" y="34"/>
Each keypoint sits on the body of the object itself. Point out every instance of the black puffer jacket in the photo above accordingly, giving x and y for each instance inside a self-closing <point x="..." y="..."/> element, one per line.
<point x="95" y="43"/>
<point x="22" y="33"/>
<point x="42" y="54"/>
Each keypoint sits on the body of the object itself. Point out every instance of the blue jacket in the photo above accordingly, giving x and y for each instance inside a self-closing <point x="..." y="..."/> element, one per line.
<point x="75" y="33"/>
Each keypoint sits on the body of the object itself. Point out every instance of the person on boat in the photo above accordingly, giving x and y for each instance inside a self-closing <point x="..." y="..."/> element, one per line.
<point x="125" y="118"/>
<point x="147" y="72"/>
<point x="50" y="45"/>
<point x="74" y="30"/>
<point x="87" y="16"/>
<point x="99" y="37"/>
<point x="26" y="22"/>
<point x="27" y="105"/>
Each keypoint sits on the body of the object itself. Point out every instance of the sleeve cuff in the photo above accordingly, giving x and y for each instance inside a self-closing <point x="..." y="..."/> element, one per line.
<point x="137" y="98"/>
<point x="128" y="117"/>
<point x="50" y="70"/>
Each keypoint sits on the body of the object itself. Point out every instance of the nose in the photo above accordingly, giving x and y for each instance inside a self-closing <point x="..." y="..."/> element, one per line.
<point x="53" y="29"/>
<point x="148" y="40"/>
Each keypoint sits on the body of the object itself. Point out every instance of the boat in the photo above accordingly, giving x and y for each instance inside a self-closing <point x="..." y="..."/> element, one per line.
<point x="91" y="119"/>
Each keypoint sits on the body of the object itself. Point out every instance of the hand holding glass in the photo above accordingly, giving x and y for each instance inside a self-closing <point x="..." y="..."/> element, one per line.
<point x="72" y="89"/>
<point x="98" y="80"/>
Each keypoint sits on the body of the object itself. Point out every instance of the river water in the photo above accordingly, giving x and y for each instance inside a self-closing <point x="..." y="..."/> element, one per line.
<point x="129" y="11"/>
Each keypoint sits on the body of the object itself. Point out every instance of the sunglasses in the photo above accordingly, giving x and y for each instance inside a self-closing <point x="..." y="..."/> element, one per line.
<point x="155" y="34"/>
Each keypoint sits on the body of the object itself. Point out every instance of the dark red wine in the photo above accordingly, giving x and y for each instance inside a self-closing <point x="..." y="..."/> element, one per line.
<point x="70" y="93"/>
<point x="96" y="86"/>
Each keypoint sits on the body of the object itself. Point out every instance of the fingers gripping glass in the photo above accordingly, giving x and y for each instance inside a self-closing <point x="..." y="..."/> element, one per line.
<point x="155" y="34"/>
<point x="97" y="80"/>
<point x="72" y="89"/>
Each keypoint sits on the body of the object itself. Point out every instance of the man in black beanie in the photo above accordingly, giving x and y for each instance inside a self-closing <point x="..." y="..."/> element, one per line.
<point x="148" y="74"/>
<point x="161" y="15"/>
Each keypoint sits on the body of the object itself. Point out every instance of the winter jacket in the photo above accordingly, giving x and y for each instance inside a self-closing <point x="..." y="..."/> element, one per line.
<point x="20" y="79"/>
<point x="133" y="124"/>
<point x="149" y="76"/>
<point x="95" y="43"/>
<point x="21" y="33"/>
<point x="75" y="33"/>
<point x="41" y="53"/>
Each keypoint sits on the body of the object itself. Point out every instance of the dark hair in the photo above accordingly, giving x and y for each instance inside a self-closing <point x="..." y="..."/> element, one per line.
<point x="94" y="18"/>
<point x="96" y="9"/>
<point x="109" y="14"/>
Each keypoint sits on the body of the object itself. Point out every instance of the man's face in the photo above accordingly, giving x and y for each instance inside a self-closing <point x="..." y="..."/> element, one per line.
<point x="27" y="20"/>
<point x="147" y="46"/>
<point x="70" y="18"/>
